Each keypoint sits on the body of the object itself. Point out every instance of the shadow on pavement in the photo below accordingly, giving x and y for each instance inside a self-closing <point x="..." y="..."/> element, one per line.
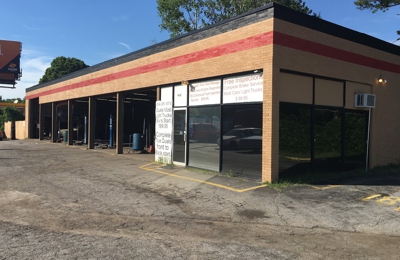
<point x="381" y="176"/>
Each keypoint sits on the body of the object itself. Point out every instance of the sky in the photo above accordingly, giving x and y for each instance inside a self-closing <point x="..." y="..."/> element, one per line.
<point x="96" y="31"/>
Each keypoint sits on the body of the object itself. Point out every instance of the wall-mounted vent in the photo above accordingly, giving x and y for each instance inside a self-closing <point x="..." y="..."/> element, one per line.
<point x="364" y="100"/>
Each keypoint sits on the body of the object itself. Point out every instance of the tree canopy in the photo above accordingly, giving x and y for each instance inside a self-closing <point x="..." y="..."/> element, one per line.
<point x="61" y="66"/>
<point x="182" y="16"/>
<point x="12" y="100"/>
<point x="9" y="113"/>
<point x="377" y="5"/>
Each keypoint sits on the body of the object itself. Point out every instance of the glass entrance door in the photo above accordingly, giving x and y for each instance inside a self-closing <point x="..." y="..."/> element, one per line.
<point x="179" y="150"/>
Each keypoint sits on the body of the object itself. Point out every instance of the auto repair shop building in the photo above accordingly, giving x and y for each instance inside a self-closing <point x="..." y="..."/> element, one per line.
<point x="269" y="92"/>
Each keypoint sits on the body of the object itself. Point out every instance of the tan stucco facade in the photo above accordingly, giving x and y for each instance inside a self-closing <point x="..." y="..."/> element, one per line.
<point x="385" y="119"/>
<point x="20" y="127"/>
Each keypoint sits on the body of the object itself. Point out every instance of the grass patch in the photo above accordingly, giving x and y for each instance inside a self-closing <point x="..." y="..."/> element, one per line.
<point x="202" y="171"/>
<point x="282" y="184"/>
<point x="229" y="174"/>
<point x="322" y="178"/>
<point x="165" y="163"/>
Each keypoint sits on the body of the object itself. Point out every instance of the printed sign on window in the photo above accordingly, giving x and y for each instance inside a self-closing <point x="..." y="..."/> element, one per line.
<point x="205" y="93"/>
<point x="180" y="96"/>
<point x="163" y="142"/>
<point x="248" y="88"/>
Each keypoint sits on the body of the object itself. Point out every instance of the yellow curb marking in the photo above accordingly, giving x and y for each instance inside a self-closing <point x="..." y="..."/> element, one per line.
<point x="327" y="187"/>
<point x="385" y="200"/>
<point x="148" y="167"/>
<point x="151" y="166"/>
<point x="372" y="197"/>
<point x="389" y="200"/>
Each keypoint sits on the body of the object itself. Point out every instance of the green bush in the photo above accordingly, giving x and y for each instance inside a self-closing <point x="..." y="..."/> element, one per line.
<point x="9" y="114"/>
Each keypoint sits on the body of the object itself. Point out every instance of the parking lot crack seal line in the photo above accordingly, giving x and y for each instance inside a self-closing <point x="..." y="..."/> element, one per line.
<point x="278" y="211"/>
<point x="147" y="168"/>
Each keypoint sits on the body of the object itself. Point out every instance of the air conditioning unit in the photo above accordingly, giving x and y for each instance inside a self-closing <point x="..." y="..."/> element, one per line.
<point x="364" y="100"/>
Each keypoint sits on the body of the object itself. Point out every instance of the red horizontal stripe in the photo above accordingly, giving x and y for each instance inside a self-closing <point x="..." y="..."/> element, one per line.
<point x="224" y="49"/>
<point x="232" y="47"/>
<point x="334" y="53"/>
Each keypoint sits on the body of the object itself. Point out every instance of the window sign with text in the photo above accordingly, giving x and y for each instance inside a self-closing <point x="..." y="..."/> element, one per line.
<point x="247" y="88"/>
<point x="180" y="96"/>
<point x="163" y="142"/>
<point x="205" y="93"/>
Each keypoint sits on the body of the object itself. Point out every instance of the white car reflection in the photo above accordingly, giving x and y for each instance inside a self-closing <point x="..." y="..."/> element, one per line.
<point x="242" y="138"/>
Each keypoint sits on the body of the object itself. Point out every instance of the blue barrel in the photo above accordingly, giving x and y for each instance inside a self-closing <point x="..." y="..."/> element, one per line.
<point x="137" y="142"/>
<point x="65" y="136"/>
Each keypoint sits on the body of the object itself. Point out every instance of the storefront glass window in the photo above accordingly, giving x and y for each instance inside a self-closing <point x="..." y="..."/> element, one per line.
<point x="294" y="138"/>
<point x="328" y="139"/>
<point x="242" y="140"/>
<point x="356" y="137"/>
<point x="203" y="133"/>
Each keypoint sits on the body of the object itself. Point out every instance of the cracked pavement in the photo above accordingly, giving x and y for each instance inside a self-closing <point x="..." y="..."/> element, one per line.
<point x="60" y="202"/>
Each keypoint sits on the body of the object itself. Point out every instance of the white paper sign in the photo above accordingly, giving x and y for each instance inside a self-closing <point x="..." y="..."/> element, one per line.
<point x="166" y="94"/>
<point x="205" y="93"/>
<point x="163" y="142"/>
<point x="248" y="88"/>
<point x="180" y="96"/>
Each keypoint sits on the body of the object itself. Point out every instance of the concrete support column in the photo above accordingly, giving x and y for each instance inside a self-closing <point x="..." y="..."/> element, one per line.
<point x="91" y="122"/>
<point x="54" y="126"/>
<point x="28" y="118"/>
<point x="41" y="121"/>
<point x="158" y="93"/>
<point x="120" y="124"/>
<point x="70" y="122"/>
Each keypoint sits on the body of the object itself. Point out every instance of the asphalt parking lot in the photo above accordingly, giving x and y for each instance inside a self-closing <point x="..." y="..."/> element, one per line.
<point x="59" y="202"/>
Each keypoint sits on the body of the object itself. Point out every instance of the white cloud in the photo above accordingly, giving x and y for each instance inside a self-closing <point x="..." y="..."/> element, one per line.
<point x="103" y="56"/>
<point x="31" y="28"/>
<point x="36" y="64"/>
<point x="125" y="45"/>
<point x="33" y="64"/>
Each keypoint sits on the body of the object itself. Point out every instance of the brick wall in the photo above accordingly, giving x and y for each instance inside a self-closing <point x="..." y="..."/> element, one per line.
<point x="253" y="41"/>
<point x="354" y="63"/>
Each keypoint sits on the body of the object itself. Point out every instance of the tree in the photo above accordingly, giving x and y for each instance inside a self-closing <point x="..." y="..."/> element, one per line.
<point x="222" y="9"/>
<point x="377" y="5"/>
<point x="61" y="66"/>
<point x="12" y="100"/>
<point x="182" y="16"/>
